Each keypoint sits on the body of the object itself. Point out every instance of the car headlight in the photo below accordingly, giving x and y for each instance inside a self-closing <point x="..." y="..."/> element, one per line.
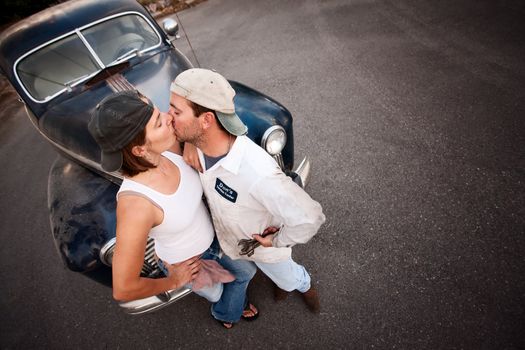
<point x="274" y="140"/>
<point x="106" y="252"/>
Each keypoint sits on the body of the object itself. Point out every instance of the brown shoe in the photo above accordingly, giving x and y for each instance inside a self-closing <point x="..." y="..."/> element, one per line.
<point x="279" y="294"/>
<point x="311" y="299"/>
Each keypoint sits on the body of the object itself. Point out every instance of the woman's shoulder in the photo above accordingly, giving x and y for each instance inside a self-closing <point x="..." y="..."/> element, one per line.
<point x="174" y="157"/>
<point x="135" y="189"/>
<point x="136" y="197"/>
<point x="178" y="161"/>
<point x="136" y="211"/>
<point x="126" y="185"/>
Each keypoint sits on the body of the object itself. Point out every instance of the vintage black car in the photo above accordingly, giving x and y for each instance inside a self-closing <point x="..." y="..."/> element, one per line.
<point x="62" y="62"/>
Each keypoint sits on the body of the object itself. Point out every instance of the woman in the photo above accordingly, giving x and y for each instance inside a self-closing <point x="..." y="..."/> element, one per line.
<point x="159" y="197"/>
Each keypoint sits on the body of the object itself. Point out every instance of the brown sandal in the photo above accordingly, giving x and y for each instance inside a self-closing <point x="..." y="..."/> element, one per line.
<point x="250" y="308"/>
<point x="227" y="325"/>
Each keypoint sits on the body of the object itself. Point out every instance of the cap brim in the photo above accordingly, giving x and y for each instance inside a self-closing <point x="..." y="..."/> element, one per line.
<point x="111" y="161"/>
<point x="232" y="123"/>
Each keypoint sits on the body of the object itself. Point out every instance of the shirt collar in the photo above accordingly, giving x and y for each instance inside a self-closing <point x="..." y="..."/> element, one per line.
<point x="233" y="159"/>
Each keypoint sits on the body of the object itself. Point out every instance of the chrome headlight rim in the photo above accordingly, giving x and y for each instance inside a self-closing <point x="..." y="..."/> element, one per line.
<point x="106" y="252"/>
<point x="267" y="137"/>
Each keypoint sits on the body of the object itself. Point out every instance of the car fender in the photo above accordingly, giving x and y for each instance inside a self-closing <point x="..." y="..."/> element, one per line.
<point x="82" y="208"/>
<point x="259" y="112"/>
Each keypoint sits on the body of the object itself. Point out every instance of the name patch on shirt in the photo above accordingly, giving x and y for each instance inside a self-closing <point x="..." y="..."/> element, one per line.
<point x="225" y="191"/>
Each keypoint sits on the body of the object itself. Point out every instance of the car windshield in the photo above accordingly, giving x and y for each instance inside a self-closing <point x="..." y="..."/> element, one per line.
<point x="54" y="68"/>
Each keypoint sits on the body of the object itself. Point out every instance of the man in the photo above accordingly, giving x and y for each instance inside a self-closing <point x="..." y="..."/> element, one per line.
<point x="246" y="190"/>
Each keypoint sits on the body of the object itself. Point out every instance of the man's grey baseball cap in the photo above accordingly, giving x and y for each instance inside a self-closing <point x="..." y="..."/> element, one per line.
<point x="211" y="90"/>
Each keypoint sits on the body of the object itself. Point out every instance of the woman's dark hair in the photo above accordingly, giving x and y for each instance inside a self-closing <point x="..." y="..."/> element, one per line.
<point x="198" y="110"/>
<point x="131" y="164"/>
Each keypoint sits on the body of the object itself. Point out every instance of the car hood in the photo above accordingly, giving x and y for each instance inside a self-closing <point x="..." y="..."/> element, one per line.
<point x="65" y="122"/>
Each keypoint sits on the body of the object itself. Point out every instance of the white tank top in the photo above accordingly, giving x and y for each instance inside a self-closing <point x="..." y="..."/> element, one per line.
<point x="186" y="229"/>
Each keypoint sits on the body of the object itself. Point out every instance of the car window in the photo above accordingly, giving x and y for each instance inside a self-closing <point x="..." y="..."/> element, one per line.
<point x="118" y="37"/>
<point x="50" y="69"/>
<point x="60" y="65"/>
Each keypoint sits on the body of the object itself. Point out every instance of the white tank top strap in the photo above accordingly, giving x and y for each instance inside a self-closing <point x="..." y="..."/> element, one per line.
<point x="126" y="192"/>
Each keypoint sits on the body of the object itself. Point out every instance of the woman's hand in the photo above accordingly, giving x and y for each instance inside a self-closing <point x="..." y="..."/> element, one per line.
<point x="184" y="272"/>
<point x="191" y="157"/>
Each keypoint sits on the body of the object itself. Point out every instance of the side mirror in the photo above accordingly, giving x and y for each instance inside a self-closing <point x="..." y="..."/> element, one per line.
<point x="171" y="27"/>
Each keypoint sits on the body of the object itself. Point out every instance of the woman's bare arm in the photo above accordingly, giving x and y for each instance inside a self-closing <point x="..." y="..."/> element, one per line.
<point x="135" y="218"/>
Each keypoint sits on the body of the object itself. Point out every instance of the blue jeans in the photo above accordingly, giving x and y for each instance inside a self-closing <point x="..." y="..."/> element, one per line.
<point x="287" y="275"/>
<point x="228" y="299"/>
<point x="234" y="299"/>
<point x="212" y="293"/>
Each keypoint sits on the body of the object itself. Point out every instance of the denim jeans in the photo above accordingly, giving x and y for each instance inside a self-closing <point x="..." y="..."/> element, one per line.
<point x="234" y="299"/>
<point x="212" y="293"/>
<point x="228" y="299"/>
<point x="287" y="275"/>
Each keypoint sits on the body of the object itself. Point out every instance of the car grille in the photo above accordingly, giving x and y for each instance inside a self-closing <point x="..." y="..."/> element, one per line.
<point x="118" y="82"/>
<point x="150" y="268"/>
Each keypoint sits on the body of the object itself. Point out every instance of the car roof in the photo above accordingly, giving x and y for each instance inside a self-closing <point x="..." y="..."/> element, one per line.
<point x="54" y="22"/>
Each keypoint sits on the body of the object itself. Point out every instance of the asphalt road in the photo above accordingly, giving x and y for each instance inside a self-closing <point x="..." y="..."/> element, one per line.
<point x="413" y="115"/>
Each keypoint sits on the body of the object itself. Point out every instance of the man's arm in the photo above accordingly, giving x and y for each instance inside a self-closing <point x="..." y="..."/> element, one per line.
<point x="189" y="153"/>
<point x="191" y="157"/>
<point x="176" y="148"/>
<point x="299" y="215"/>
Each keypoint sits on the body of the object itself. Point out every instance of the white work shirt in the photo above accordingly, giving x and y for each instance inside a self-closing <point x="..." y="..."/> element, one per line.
<point x="247" y="192"/>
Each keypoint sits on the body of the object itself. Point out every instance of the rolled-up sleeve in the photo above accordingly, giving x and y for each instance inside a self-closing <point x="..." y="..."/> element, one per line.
<point x="299" y="215"/>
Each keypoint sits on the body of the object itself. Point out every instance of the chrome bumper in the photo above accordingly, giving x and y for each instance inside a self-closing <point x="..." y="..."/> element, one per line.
<point x="154" y="303"/>
<point x="303" y="171"/>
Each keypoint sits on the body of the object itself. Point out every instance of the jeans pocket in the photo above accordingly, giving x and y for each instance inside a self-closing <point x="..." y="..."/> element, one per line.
<point x="213" y="251"/>
<point x="162" y="267"/>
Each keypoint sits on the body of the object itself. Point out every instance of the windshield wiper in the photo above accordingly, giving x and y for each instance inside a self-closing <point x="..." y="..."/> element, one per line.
<point x="129" y="53"/>
<point x="69" y="84"/>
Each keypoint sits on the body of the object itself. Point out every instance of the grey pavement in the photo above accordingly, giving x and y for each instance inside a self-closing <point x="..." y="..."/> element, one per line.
<point x="412" y="113"/>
